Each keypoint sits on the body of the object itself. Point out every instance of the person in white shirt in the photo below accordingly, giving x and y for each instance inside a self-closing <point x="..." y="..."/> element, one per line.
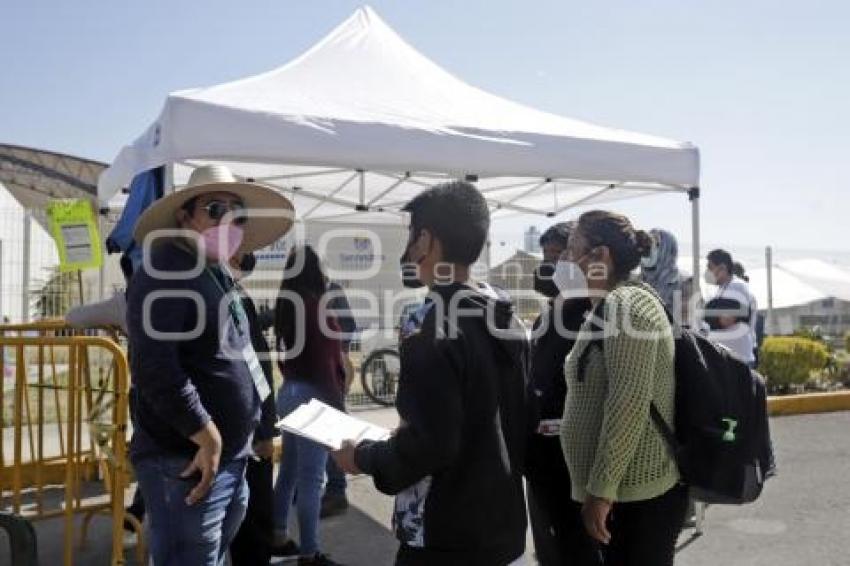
<point x="728" y="328"/>
<point x="730" y="287"/>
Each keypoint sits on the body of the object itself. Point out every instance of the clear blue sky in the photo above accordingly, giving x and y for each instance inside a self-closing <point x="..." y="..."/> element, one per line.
<point x="762" y="87"/>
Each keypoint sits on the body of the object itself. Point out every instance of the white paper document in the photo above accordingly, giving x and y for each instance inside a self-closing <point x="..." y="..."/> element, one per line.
<point x="78" y="248"/>
<point x="328" y="426"/>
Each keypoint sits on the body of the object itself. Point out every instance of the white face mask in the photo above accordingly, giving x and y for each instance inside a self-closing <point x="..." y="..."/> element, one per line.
<point x="570" y="279"/>
<point x="709" y="277"/>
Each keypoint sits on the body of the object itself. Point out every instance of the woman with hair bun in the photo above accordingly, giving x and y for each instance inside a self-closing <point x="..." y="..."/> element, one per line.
<point x="620" y="366"/>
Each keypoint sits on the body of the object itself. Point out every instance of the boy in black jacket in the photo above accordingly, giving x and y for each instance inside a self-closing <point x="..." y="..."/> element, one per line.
<point x="455" y="463"/>
<point x="560" y="538"/>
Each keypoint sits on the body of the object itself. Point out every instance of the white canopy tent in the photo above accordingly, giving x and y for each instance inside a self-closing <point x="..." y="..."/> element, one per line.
<point x="362" y="121"/>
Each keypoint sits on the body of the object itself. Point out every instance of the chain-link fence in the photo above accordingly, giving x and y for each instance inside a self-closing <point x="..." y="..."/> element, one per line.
<point x="31" y="285"/>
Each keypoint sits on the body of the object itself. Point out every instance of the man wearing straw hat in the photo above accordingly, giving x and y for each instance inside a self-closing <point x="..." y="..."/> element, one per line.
<point x="198" y="385"/>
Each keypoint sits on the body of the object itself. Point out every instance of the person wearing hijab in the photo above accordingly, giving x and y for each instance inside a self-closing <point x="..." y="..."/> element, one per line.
<point x="659" y="269"/>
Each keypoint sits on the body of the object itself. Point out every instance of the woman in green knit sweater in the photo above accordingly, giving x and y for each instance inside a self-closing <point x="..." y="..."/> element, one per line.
<point x="620" y="467"/>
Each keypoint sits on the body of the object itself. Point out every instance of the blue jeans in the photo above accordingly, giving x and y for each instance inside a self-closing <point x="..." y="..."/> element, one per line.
<point x="337" y="483"/>
<point x="196" y="535"/>
<point x="302" y="467"/>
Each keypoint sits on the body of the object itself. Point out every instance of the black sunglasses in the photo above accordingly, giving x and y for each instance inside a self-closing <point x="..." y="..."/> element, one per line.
<point x="217" y="209"/>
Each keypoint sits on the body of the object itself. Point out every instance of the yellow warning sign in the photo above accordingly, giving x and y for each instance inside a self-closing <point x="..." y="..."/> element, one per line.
<point x="73" y="225"/>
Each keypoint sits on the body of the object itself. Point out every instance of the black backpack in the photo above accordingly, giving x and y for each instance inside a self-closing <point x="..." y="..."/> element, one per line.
<point x="722" y="440"/>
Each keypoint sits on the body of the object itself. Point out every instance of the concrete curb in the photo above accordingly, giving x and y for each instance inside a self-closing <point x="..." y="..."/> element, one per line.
<point x="808" y="403"/>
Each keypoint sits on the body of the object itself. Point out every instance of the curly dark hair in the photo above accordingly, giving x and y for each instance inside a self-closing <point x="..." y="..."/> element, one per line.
<point x="616" y="232"/>
<point x="558" y="234"/>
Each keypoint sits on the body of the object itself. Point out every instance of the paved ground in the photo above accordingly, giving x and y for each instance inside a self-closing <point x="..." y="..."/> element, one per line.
<point x="802" y="518"/>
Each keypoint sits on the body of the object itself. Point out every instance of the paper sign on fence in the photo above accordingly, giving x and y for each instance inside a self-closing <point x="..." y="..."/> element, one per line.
<point x="328" y="426"/>
<point x="73" y="225"/>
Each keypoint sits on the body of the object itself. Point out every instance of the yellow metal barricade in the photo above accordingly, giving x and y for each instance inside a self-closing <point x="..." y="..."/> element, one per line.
<point x="64" y="410"/>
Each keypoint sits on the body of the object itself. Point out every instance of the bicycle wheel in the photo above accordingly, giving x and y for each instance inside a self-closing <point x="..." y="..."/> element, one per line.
<point x="379" y="376"/>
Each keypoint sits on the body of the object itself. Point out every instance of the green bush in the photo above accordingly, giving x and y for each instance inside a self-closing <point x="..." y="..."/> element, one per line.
<point x="790" y="360"/>
<point x="847" y="342"/>
<point x="810" y="332"/>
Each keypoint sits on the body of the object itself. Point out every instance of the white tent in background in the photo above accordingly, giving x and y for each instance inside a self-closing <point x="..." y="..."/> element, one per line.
<point x="829" y="279"/>
<point x="800" y="282"/>
<point x="789" y="290"/>
<point x="795" y="282"/>
<point x="362" y="121"/>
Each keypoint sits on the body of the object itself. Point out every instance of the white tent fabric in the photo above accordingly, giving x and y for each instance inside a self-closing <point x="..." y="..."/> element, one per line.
<point x="788" y="289"/>
<point x="795" y="282"/>
<point x="800" y="282"/>
<point x="362" y="121"/>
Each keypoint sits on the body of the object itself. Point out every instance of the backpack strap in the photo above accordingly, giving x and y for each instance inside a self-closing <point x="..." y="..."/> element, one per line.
<point x="665" y="430"/>
<point x="662" y="426"/>
<point x="597" y="312"/>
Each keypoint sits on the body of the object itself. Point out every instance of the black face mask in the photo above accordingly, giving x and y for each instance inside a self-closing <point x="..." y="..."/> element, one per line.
<point x="247" y="264"/>
<point x="543" y="283"/>
<point x="409" y="270"/>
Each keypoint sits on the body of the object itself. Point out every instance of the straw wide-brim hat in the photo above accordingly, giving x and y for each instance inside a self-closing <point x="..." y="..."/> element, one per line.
<point x="269" y="213"/>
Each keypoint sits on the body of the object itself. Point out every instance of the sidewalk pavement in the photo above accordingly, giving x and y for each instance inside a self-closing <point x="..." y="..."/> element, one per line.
<point x="802" y="517"/>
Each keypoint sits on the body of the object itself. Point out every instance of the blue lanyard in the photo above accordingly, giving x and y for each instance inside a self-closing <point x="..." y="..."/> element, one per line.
<point x="234" y="307"/>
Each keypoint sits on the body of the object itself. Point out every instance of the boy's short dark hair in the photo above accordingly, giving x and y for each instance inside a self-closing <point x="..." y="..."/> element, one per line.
<point x="558" y="234"/>
<point x="721" y="257"/>
<point x="457" y="215"/>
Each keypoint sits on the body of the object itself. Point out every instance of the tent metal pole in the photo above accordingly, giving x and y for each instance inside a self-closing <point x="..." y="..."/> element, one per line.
<point x="498" y="188"/>
<point x="583" y="200"/>
<point x="389" y="189"/>
<point x="300" y="191"/>
<point x="25" y="269"/>
<point x="693" y="196"/>
<point x="101" y="272"/>
<point x="771" y="324"/>
<point x="329" y="196"/>
<point x="2" y="273"/>
<point x="167" y="178"/>
<point x="530" y="191"/>
<point x="315" y="173"/>
<point x="496" y="205"/>
<point x="362" y="189"/>
<point x="408" y="176"/>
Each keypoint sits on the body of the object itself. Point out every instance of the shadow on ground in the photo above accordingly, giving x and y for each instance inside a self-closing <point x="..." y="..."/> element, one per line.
<point x="354" y="538"/>
<point x="800" y="519"/>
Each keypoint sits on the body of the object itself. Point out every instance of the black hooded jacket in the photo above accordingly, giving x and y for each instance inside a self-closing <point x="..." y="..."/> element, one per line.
<point x="455" y="463"/>
<point x="553" y="336"/>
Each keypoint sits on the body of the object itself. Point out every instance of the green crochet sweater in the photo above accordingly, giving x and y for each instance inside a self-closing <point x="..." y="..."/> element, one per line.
<point x="612" y="448"/>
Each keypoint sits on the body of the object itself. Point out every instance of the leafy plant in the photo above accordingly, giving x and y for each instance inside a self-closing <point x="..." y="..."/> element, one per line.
<point x="790" y="360"/>
<point x="56" y="295"/>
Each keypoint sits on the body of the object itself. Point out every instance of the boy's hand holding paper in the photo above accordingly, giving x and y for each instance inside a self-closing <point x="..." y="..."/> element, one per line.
<point x="344" y="458"/>
<point x="328" y="426"/>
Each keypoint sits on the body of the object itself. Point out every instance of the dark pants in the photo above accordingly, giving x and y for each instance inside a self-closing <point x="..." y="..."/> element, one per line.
<point x="252" y="545"/>
<point x="410" y="556"/>
<point x="644" y="533"/>
<point x="560" y="538"/>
